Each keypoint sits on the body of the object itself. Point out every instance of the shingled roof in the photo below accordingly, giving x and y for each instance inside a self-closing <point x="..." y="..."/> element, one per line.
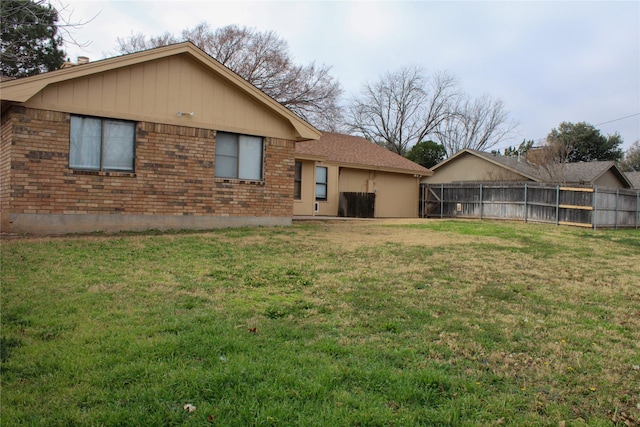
<point x="588" y="172"/>
<point x="634" y="178"/>
<point x="358" y="153"/>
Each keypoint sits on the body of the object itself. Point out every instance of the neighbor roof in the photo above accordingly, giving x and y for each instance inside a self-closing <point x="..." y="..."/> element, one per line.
<point x="358" y="153"/>
<point x="589" y="172"/>
<point x="519" y="166"/>
<point x="21" y="90"/>
<point x="634" y="178"/>
<point x="580" y="172"/>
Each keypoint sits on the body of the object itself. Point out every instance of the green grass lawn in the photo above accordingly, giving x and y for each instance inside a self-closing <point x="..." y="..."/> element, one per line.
<point x="370" y="323"/>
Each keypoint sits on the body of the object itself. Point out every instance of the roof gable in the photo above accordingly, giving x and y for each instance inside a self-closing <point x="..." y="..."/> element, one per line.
<point x="186" y="61"/>
<point x="590" y="172"/>
<point x="512" y="164"/>
<point x="357" y="152"/>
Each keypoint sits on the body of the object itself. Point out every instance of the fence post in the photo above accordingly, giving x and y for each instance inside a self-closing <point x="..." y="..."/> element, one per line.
<point x="557" y="204"/>
<point x="441" y="201"/>
<point x="480" y="201"/>
<point x="637" y="208"/>
<point x="617" y="196"/>
<point x="525" y="202"/>
<point x="595" y="208"/>
<point x="421" y="202"/>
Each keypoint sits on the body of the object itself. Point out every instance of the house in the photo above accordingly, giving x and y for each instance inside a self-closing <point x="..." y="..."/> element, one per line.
<point x="344" y="175"/>
<point x="166" y="138"/>
<point x="476" y="166"/>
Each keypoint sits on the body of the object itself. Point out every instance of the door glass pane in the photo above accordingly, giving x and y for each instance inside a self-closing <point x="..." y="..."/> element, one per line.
<point x="85" y="137"/>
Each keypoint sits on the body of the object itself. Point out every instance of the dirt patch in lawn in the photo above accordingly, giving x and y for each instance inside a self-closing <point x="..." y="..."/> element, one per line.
<point x="352" y="234"/>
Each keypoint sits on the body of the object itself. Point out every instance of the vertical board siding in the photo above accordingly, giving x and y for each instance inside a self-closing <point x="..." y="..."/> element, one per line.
<point x="549" y="203"/>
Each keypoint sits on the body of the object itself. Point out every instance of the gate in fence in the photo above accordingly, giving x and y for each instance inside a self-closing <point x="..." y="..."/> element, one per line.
<point x="591" y="207"/>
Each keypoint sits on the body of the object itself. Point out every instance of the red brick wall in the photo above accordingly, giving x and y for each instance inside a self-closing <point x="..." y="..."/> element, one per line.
<point x="174" y="173"/>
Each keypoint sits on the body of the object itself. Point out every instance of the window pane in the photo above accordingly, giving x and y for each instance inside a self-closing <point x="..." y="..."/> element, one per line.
<point x="298" y="173"/>
<point x="250" y="157"/>
<point x="226" y="144"/>
<point x="118" y="145"/>
<point x="297" y="181"/>
<point x="321" y="174"/>
<point x="297" y="190"/>
<point x="226" y="155"/>
<point x="321" y="192"/>
<point x="84" y="149"/>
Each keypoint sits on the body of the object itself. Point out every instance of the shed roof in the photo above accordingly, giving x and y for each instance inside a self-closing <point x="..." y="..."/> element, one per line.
<point x="357" y="152"/>
<point x="23" y="89"/>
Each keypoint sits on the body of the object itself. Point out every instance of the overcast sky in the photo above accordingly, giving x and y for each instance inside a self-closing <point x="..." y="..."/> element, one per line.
<point x="548" y="61"/>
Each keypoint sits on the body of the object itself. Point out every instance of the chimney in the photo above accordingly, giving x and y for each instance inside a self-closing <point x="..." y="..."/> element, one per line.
<point x="83" y="60"/>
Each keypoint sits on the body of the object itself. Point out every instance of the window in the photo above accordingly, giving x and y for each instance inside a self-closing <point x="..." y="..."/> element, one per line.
<point x="297" y="182"/>
<point x="101" y="144"/>
<point x="321" y="183"/>
<point x="238" y="156"/>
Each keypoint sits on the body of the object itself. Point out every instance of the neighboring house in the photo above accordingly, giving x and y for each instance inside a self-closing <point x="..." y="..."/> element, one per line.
<point x="634" y="178"/>
<point x="337" y="173"/>
<point x="166" y="138"/>
<point x="476" y="166"/>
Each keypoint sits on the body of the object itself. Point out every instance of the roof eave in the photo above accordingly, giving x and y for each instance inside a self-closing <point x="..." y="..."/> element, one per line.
<point x="311" y="157"/>
<point x="379" y="168"/>
<point x="21" y="90"/>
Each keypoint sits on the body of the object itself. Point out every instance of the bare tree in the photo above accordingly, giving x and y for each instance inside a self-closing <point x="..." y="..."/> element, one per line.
<point x="550" y="159"/>
<point x="477" y="124"/>
<point x="402" y="108"/>
<point x="263" y="59"/>
<point x="631" y="160"/>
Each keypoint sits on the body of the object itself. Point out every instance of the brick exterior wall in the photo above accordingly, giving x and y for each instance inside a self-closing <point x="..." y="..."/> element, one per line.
<point x="173" y="174"/>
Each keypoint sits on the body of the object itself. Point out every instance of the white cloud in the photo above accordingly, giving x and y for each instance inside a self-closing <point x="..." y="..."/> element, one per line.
<point x="549" y="61"/>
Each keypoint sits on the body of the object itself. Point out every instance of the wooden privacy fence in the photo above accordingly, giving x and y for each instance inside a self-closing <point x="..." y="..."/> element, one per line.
<point x="558" y="204"/>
